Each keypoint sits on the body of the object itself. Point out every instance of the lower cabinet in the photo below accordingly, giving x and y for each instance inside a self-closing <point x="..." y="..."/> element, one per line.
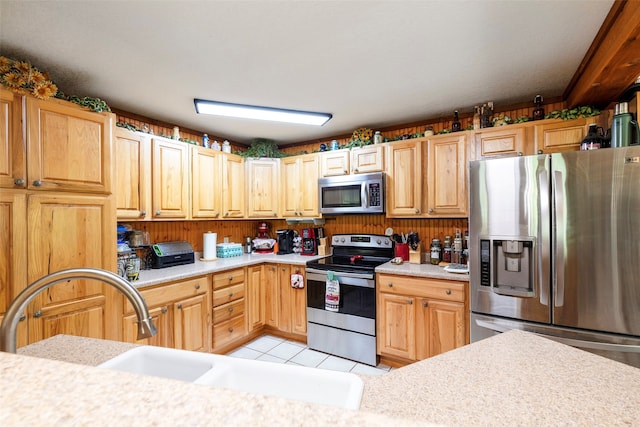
<point x="256" y="288"/>
<point x="419" y="318"/>
<point x="180" y="312"/>
<point x="229" y="307"/>
<point x="286" y="307"/>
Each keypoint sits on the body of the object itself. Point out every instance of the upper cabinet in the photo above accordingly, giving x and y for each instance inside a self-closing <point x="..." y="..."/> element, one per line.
<point x="552" y="136"/>
<point x="132" y="175"/>
<point x="233" y="178"/>
<point x="405" y="178"/>
<point x="170" y="177"/>
<point x="299" y="195"/>
<point x="505" y="141"/>
<point x="334" y="163"/>
<point x="368" y="159"/>
<point x="447" y="176"/>
<point x="263" y="185"/>
<point x="64" y="147"/>
<point x="206" y="183"/>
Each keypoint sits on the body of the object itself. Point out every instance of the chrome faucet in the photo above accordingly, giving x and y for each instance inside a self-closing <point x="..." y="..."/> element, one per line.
<point x="8" y="329"/>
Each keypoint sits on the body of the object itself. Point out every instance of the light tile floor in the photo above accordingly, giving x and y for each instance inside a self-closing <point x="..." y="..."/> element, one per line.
<point x="278" y="350"/>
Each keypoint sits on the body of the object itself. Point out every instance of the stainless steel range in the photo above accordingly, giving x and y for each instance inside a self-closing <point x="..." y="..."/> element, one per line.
<point x="349" y="332"/>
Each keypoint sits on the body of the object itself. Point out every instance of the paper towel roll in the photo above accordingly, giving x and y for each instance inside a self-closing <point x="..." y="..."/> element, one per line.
<point x="209" y="245"/>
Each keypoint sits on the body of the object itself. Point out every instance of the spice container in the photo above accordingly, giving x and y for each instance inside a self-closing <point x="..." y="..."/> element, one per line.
<point x="226" y="147"/>
<point x="377" y="137"/>
<point x="436" y="251"/>
<point x="446" y="253"/>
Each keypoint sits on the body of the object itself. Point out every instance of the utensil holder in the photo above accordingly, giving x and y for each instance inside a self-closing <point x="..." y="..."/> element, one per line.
<point x="402" y="251"/>
<point x="415" y="257"/>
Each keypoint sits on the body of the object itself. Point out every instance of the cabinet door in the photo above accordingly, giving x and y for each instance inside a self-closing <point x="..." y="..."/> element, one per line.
<point x="263" y="188"/>
<point x="555" y="136"/>
<point x="440" y="327"/>
<point x="191" y="323"/>
<point x="396" y="325"/>
<point x="69" y="148"/>
<point x="404" y="183"/>
<point x="161" y="320"/>
<point x="334" y="163"/>
<point x="367" y="159"/>
<point x="285" y="312"/>
<point x="447" y="176"/>
<point x="507" y="141"/>
<point x="309" y="170"/>
<point x="13" y="172"/>
<point x="290" y="193"/>
<point x="272" y="295"/>
<point x="13" y="253"/>
<point x="233" y="186"/>
<point x="299" y="306"/>
<point x="132" y="169"/>
<point x="65" y="232"/>
<point x="170" y="163"/>
<point x="255" y="297"/>
<point x="206" y="183"/>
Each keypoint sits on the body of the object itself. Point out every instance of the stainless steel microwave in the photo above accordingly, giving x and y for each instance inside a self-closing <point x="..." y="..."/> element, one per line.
<point x="352" y="194"/>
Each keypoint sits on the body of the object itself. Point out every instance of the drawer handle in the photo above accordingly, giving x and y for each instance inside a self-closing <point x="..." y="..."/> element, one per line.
<point x="230" y="278"/>
<point x="230" y="294"/>
<point x="448" y="292"/>
<point x="230" y="309"/>
<point x="410" y="302"/>
<point x="197" y="286"/>
<point x="230" y="330"/>
<point x="425" y="304"/>
<point x="390" y="285"/>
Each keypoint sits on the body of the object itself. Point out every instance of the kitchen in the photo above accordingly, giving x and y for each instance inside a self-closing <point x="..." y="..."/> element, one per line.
<point x="375" y="224"/>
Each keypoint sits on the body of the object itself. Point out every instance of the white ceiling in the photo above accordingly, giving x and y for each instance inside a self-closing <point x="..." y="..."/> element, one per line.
<point x="369" y="63"/>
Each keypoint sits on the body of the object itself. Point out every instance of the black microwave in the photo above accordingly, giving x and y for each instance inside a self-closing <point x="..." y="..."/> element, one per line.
<point x="352" y="194"/>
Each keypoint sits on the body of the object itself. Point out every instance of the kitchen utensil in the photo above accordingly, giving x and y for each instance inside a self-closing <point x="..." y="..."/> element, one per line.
<point x="622" y="126"/>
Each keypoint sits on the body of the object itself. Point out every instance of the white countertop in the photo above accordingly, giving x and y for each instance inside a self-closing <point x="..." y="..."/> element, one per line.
<point x="421" y="270"/>
<point x="515" y="378"/>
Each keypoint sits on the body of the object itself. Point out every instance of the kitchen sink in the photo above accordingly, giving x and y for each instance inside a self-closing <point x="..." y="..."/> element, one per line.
<point x="312" y="385"/>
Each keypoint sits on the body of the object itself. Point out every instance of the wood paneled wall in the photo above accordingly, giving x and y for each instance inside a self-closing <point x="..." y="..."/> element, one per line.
<point x="236" y="231"/>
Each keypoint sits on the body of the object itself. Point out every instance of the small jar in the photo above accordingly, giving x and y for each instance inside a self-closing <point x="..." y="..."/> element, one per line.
<point x="334" y="145"/>
<point x="176" y="133"/>
<point x="446" y="253"/>
<point x="377" y="137"/>
<point x="215" y="146"/>
<point x="428" y="131"/>
<point x="205" y="140"/>
<point x="226" y="147"/>
<point x="436" y="251"/>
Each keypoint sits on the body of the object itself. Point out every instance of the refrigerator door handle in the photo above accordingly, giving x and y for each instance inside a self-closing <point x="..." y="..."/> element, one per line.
<point x="594" y="345"/>
<point x="559" y="226"/>
<point x="543" y="244"/>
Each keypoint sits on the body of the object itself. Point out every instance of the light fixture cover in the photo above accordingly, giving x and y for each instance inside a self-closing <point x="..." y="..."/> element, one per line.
<point x="227" y="109"/>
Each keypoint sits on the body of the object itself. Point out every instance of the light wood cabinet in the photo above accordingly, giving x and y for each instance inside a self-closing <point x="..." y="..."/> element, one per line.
<point x="299" y="194"/>
<point x="13" y="253"/>
<point x="170" y="177"/>
<point x="206" y="183"/>
<point x="272" y="295"/>
<point x="553" y="136"/>
<point x="263" y="188"/>
<point x="180" y="312"/>
<point x="405" y="178"/>
<point x="447" y="176"/>
<point x="367" y="159"/>
<point x="285" y="307"/>
<point x="504" y="141"/>
<point x="132" y="175"/>
<point x="233" y="178"/>
<point x="66" y="231"/>
<point x="256" y="296"/>
<point x="13" y="164"/>
<point x="419" y="317"/>
<point x="229" y="304"/>
<point x="334" y="163"/>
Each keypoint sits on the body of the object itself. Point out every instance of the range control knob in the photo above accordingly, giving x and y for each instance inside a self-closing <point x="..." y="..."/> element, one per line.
<point x="379" y="241"/>
<point x="342" y="240"/>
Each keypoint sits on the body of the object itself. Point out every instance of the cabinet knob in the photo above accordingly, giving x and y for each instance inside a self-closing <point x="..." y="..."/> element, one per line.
<point x="143" y="213"/>
<point x="284" y="269"/>
<point x="230" y="294"/>
<point x="410" y="302"/>
<point x="540" y="152"/>
<point x="230" y="309"/>
<point x="520" y="154"/>
<point x="197" y="286"/>
<point x="344" y="171"/>
<point x="19" y="182"/>
<point x="425" y="304"/>
<point x="226" y="214"/>
<point x="417" y="211"/>
<point x="37" y="183"/>
<point x="230" y="278"/>
<point x="37" y="314"/>
<point x="164" y="310"/>
<point x="158" y="213"/>
<point x="430" y="210"/>
<point x="390" y="285"/>
<point x="448" y="292"/>
<point x="230" y="330"/>
<point x="179" y="306"/>
<point x="275" y="214"/>
<point x="355" y="170"/>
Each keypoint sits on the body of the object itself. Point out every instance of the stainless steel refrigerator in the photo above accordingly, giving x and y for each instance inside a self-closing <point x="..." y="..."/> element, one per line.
<point x="555" y="249"/>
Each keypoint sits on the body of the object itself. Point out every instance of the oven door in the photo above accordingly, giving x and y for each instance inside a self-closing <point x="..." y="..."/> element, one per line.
<point x="357" y="292"/>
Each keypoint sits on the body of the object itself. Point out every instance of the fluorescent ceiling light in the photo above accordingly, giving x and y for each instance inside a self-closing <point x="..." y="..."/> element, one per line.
<point x="260" y="113"/>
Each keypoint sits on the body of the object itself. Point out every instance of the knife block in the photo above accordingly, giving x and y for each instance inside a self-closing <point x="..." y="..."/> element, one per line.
<point x="415" y="257"/>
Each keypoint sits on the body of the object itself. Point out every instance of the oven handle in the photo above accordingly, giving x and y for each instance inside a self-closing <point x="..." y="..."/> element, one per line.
<point x="340" y="273"/>
<point x="353" y="279"/>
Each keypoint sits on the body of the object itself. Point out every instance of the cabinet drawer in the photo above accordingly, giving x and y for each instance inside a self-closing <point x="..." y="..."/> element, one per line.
<point x="430" y="288"/>
<point x="232" y="277"/>
<point x="228" y="294"/>
<point x="167" y="293"/>
<point x="227" y="311"/>
<point x="228" y="331"/>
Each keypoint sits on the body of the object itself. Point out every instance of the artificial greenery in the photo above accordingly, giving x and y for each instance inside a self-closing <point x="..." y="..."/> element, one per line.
<point x="262" y="147"/>
<point x="574" y="113"/>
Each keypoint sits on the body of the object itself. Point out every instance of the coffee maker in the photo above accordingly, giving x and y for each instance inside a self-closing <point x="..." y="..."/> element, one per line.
<point x="310" y="240"/>
<point x="285" y="241"/>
